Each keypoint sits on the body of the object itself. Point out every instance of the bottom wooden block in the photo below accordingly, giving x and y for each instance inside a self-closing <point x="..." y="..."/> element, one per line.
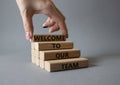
<point x="33" y="59"/>
<point x="66" y="64"/>
<point x="32" y="53"/>
<point x="33" y="56"/>
<point x="37" y="61"/>
<point x="42" y="64"/>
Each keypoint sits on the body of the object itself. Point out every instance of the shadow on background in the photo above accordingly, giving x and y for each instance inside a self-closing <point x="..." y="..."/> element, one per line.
<point x="96" y="60"/>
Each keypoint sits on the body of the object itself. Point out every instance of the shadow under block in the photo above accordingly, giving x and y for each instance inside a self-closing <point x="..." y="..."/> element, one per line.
<point x="59" y="54"/>
<point x="66" y="64"/>
<point x="46" y="38"/>
<point x="53" y="45"/>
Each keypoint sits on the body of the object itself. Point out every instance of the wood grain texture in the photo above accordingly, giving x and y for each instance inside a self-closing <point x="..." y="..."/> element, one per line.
<point x="57" y="45"/>
<point x="42" y="64"/>
<point x="66" y="64"/>
<point x="59" y="54"/>
<point x="33" y="59"/>
<point x="32" y="53"/>
<point x="46" y="38"/>
<point x="32" y="46"/>
<point x="36" y="56"/>
<point x="37" y="62"/>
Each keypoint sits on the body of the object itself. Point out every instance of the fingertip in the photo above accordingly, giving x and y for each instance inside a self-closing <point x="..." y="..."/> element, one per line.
<point x="67" y="35"/>
<point x="28" y="35"/>
<point x="64" y="30"/>
<point x="45" y="25"/>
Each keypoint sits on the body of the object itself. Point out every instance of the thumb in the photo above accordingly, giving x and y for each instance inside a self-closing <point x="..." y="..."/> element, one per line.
<point x="28" y="26"/>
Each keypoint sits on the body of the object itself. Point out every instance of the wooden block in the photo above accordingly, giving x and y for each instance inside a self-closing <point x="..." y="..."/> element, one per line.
<point x="32" y="51"/>
<point x="32" y="46"/>
<point x="32" y="54"/>
<point x="33" y="59"/>
<point x="42" y="64"/>
<point x="37" y="61"/>
<point x="53" y="45"/>
<point x="45" y="38"/>
<point x="66" y="64"/>
<point x="35" y="56"/>
<point x="59" y="54"/>
<point x="36" y="53"/>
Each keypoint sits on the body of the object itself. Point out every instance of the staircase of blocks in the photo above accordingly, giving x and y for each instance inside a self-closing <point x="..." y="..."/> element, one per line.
<point x="53" y="53"/>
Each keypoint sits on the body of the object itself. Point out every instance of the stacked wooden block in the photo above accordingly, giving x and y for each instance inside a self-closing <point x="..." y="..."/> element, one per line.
<point x="54" y="53"/>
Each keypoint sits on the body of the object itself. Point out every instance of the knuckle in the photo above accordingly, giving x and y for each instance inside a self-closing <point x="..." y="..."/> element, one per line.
<point x="26" y="25"/>
<point x="48" y="5"/>
<point x="27" y="12"/>
<point x="64" y="18"/>
<point x="24" y="12"/>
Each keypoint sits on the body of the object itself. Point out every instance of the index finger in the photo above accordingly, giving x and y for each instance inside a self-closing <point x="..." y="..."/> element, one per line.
<point x="63" y="28"/>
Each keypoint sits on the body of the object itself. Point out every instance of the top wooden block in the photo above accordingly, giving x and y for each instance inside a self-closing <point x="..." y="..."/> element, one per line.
<point x="45" y="38"/>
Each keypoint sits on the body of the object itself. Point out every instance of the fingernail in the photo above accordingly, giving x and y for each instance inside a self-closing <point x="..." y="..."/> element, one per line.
<point x="45" y="26"/>
<point x="28" y="35"/>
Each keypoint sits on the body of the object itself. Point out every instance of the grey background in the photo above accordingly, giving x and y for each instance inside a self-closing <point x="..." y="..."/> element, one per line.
<point x="94" y="27"/>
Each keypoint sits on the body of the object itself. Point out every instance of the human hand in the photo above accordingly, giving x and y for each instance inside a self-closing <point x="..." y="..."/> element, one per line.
<point x="55" y="20"/>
